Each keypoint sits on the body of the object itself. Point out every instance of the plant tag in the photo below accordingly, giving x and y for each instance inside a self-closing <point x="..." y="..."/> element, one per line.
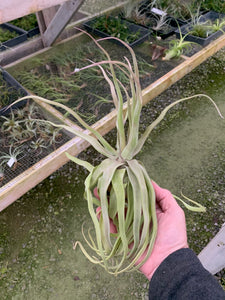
<point x="158" y="11"/>
<point x="11" y="162"/>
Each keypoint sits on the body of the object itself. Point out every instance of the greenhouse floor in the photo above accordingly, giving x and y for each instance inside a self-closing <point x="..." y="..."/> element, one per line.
<point x="43" y="208"/>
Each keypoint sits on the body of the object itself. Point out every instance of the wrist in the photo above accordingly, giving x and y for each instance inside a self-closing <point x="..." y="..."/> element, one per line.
<point x="153" y="263"/>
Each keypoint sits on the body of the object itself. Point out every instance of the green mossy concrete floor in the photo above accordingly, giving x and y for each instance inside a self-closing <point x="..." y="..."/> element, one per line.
<point x="185" y="153"/>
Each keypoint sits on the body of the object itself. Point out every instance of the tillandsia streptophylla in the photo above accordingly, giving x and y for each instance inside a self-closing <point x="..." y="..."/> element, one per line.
<point x="127" y="197"/>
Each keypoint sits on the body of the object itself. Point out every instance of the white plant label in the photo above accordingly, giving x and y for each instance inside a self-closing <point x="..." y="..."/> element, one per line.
<point x="158" y="11"/>
<point x="11" y="162"/>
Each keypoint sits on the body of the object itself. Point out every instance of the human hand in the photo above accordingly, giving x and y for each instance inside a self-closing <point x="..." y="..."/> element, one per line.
<point x="171" y="234"/>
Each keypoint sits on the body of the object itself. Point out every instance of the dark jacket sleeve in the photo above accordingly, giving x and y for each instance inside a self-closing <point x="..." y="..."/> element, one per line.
<point x="181" y="276"/>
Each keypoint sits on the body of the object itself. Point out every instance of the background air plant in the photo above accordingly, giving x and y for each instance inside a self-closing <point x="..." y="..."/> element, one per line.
<point x="161" y="21"/>
<point x="25" y="139"/>
<point x="10" y="123"/>
<point x="127" y="197"/>
<point x="178" y="9"/>
<point x="130" y="7"/>
<point x="198" y="25"/>
<point x="12" y="157"/>
<point x="176" y="47"/>
<point x="38" y="145"/>
<point x="203" y="26"/>
<point x="218" y="25"/>
<point x="201" y="30"/>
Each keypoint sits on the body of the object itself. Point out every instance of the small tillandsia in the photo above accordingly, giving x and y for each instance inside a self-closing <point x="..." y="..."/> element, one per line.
<point x="127" y="197"/>
<point x="11" y="159"/>
<point x="177" y="47"/>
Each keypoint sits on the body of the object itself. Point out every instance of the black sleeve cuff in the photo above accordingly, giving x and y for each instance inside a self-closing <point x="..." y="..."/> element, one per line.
<point x="182" y="276"/>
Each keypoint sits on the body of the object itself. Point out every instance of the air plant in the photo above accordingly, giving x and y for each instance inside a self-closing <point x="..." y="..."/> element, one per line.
<point x="161" y="21"/>
<point x="101" y="100"/>
<point x="130" y="6"/>
<point x="178" y="9"/>
<point x="205" y="27"/>
<point x="198" y="25"/>
<point x="143" y="14"/>
<point x="10" y="122"/>
<point x="201" y="30"/>
<point x="218" y="25"/>
<point x="38" y="145"/>
<point x="127" y="197"/>
<point x="20" y="113"/>
<point x="49" y="134"/>
<point x="176" y="47"/>
<point x="19" y="136"/>
<point x="30" y="125"/>
<point x="138" y="17"/>
<point x="134" y="12"/>
<point x="196" y="16"/>
<point x="32" y="110"/>
<point x="11" y="158"/>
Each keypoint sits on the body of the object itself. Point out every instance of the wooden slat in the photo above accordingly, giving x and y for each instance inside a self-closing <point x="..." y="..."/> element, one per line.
<point x="213" y="255"/>
<point x="60" y="20"/>
<point x="13" y="9"/>
<point x="21" y="50"/>
<point x="11" y="56"/>
<point x="45" y="16"/>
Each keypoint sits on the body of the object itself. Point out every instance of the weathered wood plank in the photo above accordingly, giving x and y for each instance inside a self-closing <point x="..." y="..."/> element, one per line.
<point x="213" y="255"/>
<point x="45" y="16"/>
<point x="11" y="9"/>
<point x="21" y="51"/>
<point x="60" y="20"/>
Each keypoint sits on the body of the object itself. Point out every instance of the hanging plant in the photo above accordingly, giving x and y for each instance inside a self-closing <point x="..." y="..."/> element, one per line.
<point x="126" y="193"/>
